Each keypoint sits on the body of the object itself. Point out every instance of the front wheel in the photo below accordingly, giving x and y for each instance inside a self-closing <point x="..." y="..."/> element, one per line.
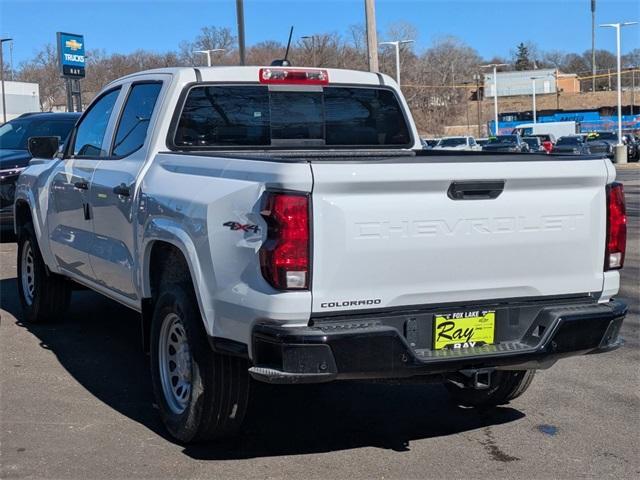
<point x="201" y="395"/>
<point x="44" y="296"/>
<point x="505" y="386"/>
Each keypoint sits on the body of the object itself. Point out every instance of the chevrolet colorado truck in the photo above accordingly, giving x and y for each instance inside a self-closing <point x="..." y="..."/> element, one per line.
<point x="283" y="225"/>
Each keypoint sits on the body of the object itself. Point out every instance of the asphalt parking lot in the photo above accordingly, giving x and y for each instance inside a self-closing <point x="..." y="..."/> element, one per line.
<point x="76" y="402"/>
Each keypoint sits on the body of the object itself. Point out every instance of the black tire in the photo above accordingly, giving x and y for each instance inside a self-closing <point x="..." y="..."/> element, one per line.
<point x="219" y="384"/>
<point x="505" y="386"/>
<point x="44" y="296"/>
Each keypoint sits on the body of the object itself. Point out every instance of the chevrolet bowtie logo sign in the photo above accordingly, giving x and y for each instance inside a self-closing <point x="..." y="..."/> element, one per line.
<point x="73" y="44"/>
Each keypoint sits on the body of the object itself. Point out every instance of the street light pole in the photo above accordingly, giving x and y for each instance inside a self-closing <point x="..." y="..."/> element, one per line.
<point x="633" y="89"/>
<point x="620" y="152"/>
<point x="208" y="53"/>
<point x="533" y="88"/>
<point x="4" y="105"/>
<point x="593" y="45"/>
<point x="495" y="92"/>
<point x="396" y="44"/>
<point x="533" y="91"/>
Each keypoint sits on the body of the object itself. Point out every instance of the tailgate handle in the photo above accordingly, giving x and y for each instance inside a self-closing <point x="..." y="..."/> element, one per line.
<point x="475" y="190"/>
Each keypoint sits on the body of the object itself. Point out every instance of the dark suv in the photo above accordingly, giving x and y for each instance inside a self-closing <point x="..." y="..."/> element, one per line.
<point x="14" y="156"/>
<point x="506" y="143"/>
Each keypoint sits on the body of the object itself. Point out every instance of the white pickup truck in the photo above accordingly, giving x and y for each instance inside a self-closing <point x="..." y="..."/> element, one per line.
<point x="284" y="224"/>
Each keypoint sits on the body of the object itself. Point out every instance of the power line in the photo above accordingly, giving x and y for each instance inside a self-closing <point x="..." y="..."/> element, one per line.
<point x="513" y="85"/>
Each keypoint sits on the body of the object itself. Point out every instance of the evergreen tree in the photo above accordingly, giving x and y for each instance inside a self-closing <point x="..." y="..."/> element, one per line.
<point x="523" y="61"/>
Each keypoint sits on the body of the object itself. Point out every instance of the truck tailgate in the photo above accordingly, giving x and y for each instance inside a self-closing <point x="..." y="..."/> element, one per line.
<point x="389" y="235"/>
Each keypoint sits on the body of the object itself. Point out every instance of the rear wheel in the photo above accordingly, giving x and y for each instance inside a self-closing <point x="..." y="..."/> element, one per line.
<point x="44" y="296"/>
<point x="505" y="386"/>
<point x="201" y="395"/>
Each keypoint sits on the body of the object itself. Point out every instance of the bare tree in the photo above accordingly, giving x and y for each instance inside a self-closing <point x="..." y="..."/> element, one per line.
<point x="437" y="81"/>
<point x="44" y="71"/>
<point x="210" y="38"/>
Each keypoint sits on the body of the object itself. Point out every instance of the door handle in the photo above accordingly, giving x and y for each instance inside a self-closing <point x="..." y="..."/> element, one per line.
<point x="475" y="190"/>
<point x="122" y="190"/>
<point x="82" y="185"/>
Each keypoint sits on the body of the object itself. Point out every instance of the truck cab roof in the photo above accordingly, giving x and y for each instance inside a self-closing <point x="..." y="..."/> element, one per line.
<point x="251" y="74"/>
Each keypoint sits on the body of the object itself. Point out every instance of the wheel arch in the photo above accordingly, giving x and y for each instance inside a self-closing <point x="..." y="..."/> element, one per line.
<point x="163" y="240"/>
<point x="21" y="215"/>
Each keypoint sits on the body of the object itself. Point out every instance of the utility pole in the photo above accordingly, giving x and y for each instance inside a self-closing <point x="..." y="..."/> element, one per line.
<point x="4" y="105"/>
<point x="240" y="17"/>
<point x="476" y="77"/>
<point x="593" y="45"/>
<point x="466" y="104"/>
<point x="372" y="35"/>
<point x="397" y="44"/>
<point x="621" y="150"/>
<point x="495" y="92"/>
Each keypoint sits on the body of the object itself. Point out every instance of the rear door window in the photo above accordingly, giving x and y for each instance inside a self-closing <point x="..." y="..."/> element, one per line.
<point x="134" y="122"/>
<point x="253" y="116"/>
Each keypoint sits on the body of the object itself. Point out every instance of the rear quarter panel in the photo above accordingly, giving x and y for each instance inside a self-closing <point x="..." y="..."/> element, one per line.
<point x="186" y="200"/>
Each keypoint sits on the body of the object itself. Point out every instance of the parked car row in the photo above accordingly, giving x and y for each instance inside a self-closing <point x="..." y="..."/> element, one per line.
<point x="600" y="143"/>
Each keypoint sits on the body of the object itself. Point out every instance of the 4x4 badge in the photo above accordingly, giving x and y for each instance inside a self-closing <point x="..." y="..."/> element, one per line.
<point x="235" y="226"/>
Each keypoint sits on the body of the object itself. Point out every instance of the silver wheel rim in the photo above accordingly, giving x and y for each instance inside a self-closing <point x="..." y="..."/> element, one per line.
<point x="27" y="265"/>
<point x="175" y="363"/>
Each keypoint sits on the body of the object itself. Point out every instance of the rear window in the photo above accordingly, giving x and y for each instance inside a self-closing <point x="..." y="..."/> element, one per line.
<point x="452" y="142"/>
<point x="253" y="116"/>
<point x="15" y="133"/>
<point x="504" y="139"/>
<point x="607" y="135"/>
<point x="569" y="141"/>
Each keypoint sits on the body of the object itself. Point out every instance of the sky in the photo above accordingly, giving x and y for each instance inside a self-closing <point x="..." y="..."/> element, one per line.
<point x="492" y="27"/>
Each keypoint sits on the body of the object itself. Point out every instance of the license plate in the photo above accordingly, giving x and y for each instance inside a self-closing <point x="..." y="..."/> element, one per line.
<point x="464" y="329"/>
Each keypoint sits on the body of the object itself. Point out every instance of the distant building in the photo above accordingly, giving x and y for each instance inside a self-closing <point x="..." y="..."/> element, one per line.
<point x="547" y="80"/>
<point x="20" y="97"/>
<point x="567" y="83"/>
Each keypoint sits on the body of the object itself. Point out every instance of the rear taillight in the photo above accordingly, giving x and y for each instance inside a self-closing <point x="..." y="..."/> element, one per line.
<point x="284" y="257"/>
<point x="616" y="227"/>
<point x="293" y="76"/>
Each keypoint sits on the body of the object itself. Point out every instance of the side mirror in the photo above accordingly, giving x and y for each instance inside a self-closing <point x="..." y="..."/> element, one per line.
<point x="43" y="147"/>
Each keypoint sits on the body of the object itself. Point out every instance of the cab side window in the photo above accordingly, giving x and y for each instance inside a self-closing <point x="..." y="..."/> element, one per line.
<point x="134" y="122"/>
<point x="90" y="133"/>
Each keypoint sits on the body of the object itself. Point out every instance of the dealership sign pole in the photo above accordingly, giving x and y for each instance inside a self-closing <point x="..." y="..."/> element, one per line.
<point x="71" y="61"/>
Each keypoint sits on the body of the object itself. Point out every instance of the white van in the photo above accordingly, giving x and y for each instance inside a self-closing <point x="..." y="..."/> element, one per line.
<point x="557" y="129"/>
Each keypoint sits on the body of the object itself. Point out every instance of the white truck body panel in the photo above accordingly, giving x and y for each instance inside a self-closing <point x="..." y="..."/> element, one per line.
<point x="389" y="233"/>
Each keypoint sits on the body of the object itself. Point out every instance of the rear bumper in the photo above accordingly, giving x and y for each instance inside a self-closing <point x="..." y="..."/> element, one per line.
<point x="388" y="345"/>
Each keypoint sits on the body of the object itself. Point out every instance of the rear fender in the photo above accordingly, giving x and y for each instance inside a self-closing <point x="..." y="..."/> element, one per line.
<point x="166" y="230"/>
